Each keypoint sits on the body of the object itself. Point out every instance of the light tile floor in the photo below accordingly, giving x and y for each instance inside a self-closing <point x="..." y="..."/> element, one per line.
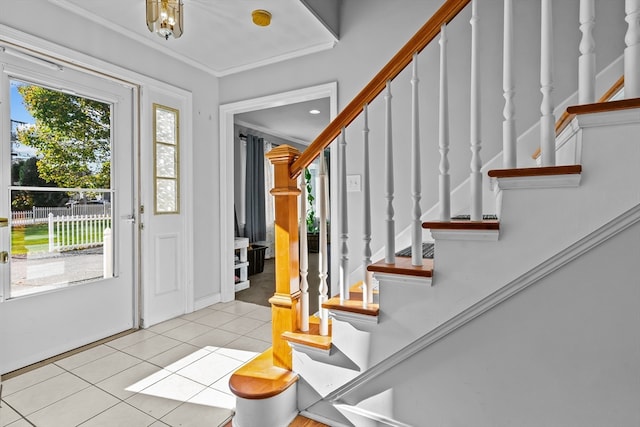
<point x="175" y="373"/>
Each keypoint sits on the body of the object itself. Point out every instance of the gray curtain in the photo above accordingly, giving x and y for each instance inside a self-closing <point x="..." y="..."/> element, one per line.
<point x="256" y="226"/>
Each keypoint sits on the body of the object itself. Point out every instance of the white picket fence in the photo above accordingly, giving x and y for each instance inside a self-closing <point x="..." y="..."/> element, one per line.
<point x="68" y="232"/>
<point x="40" y="214"/>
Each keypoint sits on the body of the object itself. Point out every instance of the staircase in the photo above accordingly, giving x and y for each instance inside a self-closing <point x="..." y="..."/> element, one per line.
<point x="525" y="317"/>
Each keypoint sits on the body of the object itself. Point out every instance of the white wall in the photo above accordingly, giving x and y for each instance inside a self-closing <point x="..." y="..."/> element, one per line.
<point x="373" y="30"/>
<point x="45" y="20"/>
<point x="564" y="352"/>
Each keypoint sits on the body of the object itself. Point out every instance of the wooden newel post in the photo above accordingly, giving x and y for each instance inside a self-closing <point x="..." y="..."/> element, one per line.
<point x="284" y="303"/>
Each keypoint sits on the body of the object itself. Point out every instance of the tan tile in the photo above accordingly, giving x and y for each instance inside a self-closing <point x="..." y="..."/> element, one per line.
<point x="173" y="358"/>
<point x="7" y="415"/>
<point x="263" y="333"/>
<point x="131" y="339"/>
<point x="260" y="313"/>
<point x="84" y="357"/>
<point x="216" y="318"/>
<point x="187" y="331"/>
<point x="242" y="325"/>
<point x="74" y="409"/>
<point x="30" y="378"/>
<point x="240" y="308"/>
<point x="210" y="368"/>
<point x="130" y="381"/>
<point x="214" y="398"/>
<point x="21" y="423"/>
<point x="45" y="393"/>
<point x="163" y="327"/>
<point x="249" y="344"/>
<point x="195" y="315"/>
<point x="193" y="415"/>
<point x="215" y="338"/>
<point x="151" y="347"/>
<point x="105" y="367"/>
<point x="155" y="406"/>
<point x="174" y="387"/>
<point x="121" y="415"/>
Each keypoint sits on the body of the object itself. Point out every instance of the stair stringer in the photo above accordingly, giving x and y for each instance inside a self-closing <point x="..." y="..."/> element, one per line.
<point x="337" y="402"/>
<point x="592" y="344"/>
<point x="563" y="217"/>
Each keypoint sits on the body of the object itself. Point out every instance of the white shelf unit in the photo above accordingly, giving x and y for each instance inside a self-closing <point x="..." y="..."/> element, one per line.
<point x="241" y="265"/>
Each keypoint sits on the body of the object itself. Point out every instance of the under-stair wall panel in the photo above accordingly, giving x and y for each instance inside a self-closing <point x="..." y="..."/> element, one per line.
<point x="563" y="352"/>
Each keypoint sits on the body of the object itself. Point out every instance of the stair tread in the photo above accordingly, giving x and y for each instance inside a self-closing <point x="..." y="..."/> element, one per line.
<point x="260" y="379"/>
<point x="536" y="171"/>
<point x="403" y="266"/>
<point x="600" y="107"/>
<point x="312" y="337"/>
<point x="462" y="225"/>
<point x="353" y="305"/>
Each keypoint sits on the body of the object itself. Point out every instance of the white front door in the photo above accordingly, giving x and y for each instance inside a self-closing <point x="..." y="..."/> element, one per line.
<point x="67" y="189"/>
<point x="165" y="212"/>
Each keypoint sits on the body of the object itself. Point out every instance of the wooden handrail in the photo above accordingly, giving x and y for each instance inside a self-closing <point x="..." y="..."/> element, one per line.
<point x="416" y="44"/>
<point x="566" y="117"/>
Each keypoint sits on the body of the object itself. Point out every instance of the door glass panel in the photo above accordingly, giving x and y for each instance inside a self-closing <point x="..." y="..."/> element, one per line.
<point x="60" y="193"/>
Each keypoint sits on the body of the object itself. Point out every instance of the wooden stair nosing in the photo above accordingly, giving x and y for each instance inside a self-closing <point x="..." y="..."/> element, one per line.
<point x="403" y="266"/>
<point x="312" y="337"/>
<point x="462" y="225"/>
<point x="536" y="171"/>
<point x="352" y="306"/>
<point x="260" y="379"/>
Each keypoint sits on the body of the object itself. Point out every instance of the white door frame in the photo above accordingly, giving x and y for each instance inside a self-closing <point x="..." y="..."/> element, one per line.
<point x="226" y="165"/>
<point x="142" y="84"/>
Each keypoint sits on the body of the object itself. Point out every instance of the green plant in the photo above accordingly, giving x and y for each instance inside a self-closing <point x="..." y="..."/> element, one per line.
<point x="312" y="226"/>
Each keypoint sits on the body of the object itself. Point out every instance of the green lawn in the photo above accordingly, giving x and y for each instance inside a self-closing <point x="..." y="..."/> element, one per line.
<point x="29" y="236"/>
<point x="35" y="238"/>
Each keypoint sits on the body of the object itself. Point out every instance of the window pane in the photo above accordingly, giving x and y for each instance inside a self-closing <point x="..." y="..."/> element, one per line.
<point x="165" y="126"/>
<point x="166" y="195"/>
<point x="165" y="161"/>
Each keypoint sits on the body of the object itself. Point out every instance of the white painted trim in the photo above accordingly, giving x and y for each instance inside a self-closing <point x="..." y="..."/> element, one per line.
<point x="146" y="41"/>
<point x="279" y="58"/>
<point x="307" y="349"/>
<point x="380" y="419"/>
<point x="226" y="164"/>
<point x="74" y="8"/>
<point x="70" y="58"/>
<point x="517" y="285"/>
<point x="474" y="235"/>
<point x="609" y="118"/>
<point x="206" y="301"/>
<point x="353" y="318"/>
<point x="385" y="278"/>
<point x="240" y="286"/>
<point x="271" y="132"/>
<point x="546" y="181"/>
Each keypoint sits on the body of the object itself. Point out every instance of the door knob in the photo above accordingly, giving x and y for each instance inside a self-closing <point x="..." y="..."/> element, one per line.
<point x="4" y="257"/>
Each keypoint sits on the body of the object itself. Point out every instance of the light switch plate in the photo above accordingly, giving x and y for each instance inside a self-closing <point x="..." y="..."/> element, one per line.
<point x="353" y="183"/>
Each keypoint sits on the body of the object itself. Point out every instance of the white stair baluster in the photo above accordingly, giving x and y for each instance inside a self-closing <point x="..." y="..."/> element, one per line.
<point x="344" y="227"/>
<point x="390" y="256"/>
<point x="632" y="51"/>
<point x="587" y="60"/>
<point x="443" y="133"/>
<point x="367" y="291"/>
<point x="547" y="120"/>
<point x="416" y="187"/>
<point x="509" y="141"/>
<point x="323" y="264"/>
<point x="304" y="258"/>
<point x="476" y="145"/>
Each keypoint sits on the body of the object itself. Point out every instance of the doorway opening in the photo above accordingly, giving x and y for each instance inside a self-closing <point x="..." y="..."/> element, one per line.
<point x="230" y="114"/>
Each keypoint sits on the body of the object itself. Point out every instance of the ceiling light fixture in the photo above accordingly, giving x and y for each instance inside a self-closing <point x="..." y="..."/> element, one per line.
<point x="314" y="111"/>
<point x="165" y="17"/>
<point x="261" y="18"/>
